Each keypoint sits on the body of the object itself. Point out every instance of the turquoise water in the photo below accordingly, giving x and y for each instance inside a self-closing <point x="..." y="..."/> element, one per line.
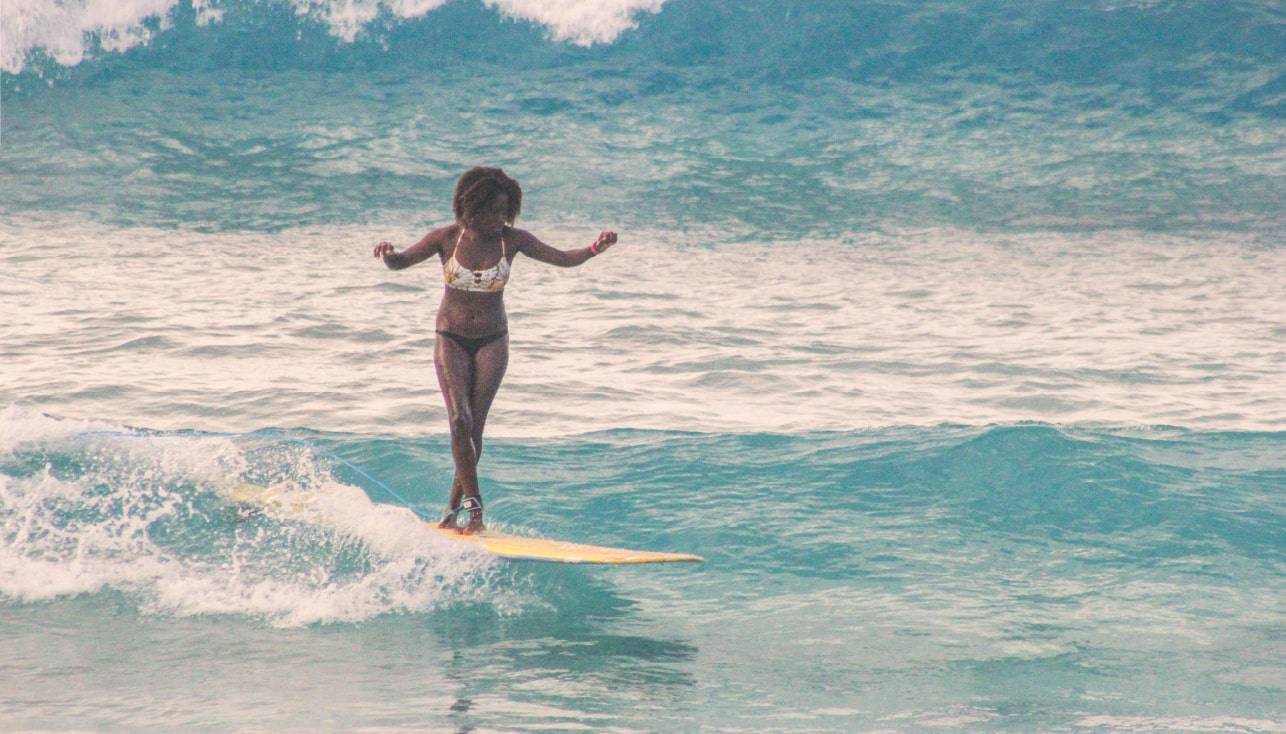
<point x="1004" y="578"/>
<point x="950" y="334"/>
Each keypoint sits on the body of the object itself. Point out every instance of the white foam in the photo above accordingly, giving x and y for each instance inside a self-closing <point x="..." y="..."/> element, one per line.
<point x="583" y="22"/>
<point x="346" y="18"/>
<point x="21" y="424"/>
<point x="63" y="29"/>
<point x="68" y="30"/>
<point x="69" y="535"/>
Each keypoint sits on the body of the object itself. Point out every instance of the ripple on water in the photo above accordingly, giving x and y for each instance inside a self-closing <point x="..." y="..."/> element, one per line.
<point x="1022" y="338"/>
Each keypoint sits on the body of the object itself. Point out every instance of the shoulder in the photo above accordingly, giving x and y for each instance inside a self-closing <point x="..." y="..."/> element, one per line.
<point x="519" y="239"/>
<point x="441" y="239"/>
<point x="446" y="234"/>
<point x="435" y="241"/>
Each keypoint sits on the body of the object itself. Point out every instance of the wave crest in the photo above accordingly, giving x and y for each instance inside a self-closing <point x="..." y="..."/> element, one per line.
<point x="70" y="31"/>
<point x="66" y="32"/>
<point x="151" y="516"/>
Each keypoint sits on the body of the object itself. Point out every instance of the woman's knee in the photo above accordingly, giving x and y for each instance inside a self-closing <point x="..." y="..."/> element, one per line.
<point x="462" y="423"/>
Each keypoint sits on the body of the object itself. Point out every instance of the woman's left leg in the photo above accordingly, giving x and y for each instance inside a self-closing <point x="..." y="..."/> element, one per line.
<point x="489" y="367"/>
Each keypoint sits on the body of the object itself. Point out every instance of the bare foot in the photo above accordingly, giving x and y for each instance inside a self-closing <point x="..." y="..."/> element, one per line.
<point x="475" y="524"/>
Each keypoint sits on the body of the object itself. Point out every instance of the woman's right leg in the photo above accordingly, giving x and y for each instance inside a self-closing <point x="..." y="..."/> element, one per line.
<point x="489" y="366"/>
<point x="455" y="378"/>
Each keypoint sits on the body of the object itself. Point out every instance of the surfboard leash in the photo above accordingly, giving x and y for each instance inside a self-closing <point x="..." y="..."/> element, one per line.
<point x="402" y="501"/>
<point x="391" y="492"/>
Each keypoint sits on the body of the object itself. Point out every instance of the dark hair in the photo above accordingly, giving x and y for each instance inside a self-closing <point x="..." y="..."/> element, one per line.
<point x="479" y="186"/>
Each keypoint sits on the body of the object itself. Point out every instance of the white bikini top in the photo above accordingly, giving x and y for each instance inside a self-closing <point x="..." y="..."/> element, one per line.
<point x="493" y="278"/>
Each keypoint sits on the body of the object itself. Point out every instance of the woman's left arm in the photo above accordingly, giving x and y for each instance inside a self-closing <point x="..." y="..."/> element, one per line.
<point x="533" y="248"/>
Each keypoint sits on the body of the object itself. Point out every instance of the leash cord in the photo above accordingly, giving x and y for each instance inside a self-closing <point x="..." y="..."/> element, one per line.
<point x="402" y="501"/>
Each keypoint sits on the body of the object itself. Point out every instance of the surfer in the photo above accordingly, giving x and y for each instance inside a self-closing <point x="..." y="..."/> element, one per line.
<point x="472" y="346"/>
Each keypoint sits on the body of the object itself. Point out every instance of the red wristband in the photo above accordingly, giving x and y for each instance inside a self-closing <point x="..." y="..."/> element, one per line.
<point x="593" y="248"/>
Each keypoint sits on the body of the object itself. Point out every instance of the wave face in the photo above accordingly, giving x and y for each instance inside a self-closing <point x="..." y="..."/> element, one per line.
<point x="1158" y="44"/>
<point x="761" y="119"/>
<point x="1068" y="566"/>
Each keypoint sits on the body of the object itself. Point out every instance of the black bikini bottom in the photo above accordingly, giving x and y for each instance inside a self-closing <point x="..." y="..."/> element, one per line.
<point x="472" y="344"/>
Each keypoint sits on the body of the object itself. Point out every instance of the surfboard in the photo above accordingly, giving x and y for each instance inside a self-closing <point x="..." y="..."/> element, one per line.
<point x="519" y="547"/>
<point x="300" y="505"/>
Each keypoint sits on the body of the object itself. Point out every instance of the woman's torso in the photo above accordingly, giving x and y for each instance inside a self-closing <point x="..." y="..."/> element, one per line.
<point x="475" y="312"/>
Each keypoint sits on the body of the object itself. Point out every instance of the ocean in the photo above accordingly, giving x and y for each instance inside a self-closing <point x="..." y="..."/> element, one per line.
<point x="951" y="334"/>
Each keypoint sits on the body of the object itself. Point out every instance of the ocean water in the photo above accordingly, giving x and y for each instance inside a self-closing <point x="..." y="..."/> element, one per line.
<point x="951" y="334"/>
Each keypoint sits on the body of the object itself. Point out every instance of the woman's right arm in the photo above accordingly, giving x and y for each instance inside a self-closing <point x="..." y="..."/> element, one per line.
<point x="428" y="246"/>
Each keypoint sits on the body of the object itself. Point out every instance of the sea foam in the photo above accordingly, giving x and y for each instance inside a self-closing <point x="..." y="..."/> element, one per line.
<point x="150" y="516"/>
<point x="69" y="32"/>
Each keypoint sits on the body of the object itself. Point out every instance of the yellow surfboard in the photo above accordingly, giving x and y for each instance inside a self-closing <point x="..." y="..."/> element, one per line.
<point x="557" y="551"/>
<point x="303" y="506"/>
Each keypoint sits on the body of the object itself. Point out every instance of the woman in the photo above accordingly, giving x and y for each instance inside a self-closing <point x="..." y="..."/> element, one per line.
<point x="472" y="348"/>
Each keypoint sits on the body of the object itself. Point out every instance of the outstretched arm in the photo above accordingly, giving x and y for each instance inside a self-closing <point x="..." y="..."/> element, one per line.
<point x="533" y="248"/>
<point x="428" y="245"/>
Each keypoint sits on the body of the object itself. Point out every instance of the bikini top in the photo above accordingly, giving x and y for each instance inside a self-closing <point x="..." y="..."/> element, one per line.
<point x="461" y="278"/>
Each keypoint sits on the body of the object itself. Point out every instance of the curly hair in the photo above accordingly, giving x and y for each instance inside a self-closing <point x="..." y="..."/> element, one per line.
<point x="479" y="186"/>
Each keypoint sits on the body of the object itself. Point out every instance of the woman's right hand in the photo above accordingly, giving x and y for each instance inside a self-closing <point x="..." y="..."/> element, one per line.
<point x="384" y="249"/>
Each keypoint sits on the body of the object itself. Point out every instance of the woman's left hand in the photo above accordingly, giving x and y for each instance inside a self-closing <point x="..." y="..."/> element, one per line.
<point x="605" y="240"/>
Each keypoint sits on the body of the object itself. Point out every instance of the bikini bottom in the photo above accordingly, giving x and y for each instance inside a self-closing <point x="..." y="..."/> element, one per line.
<point x="472" y="344"/>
